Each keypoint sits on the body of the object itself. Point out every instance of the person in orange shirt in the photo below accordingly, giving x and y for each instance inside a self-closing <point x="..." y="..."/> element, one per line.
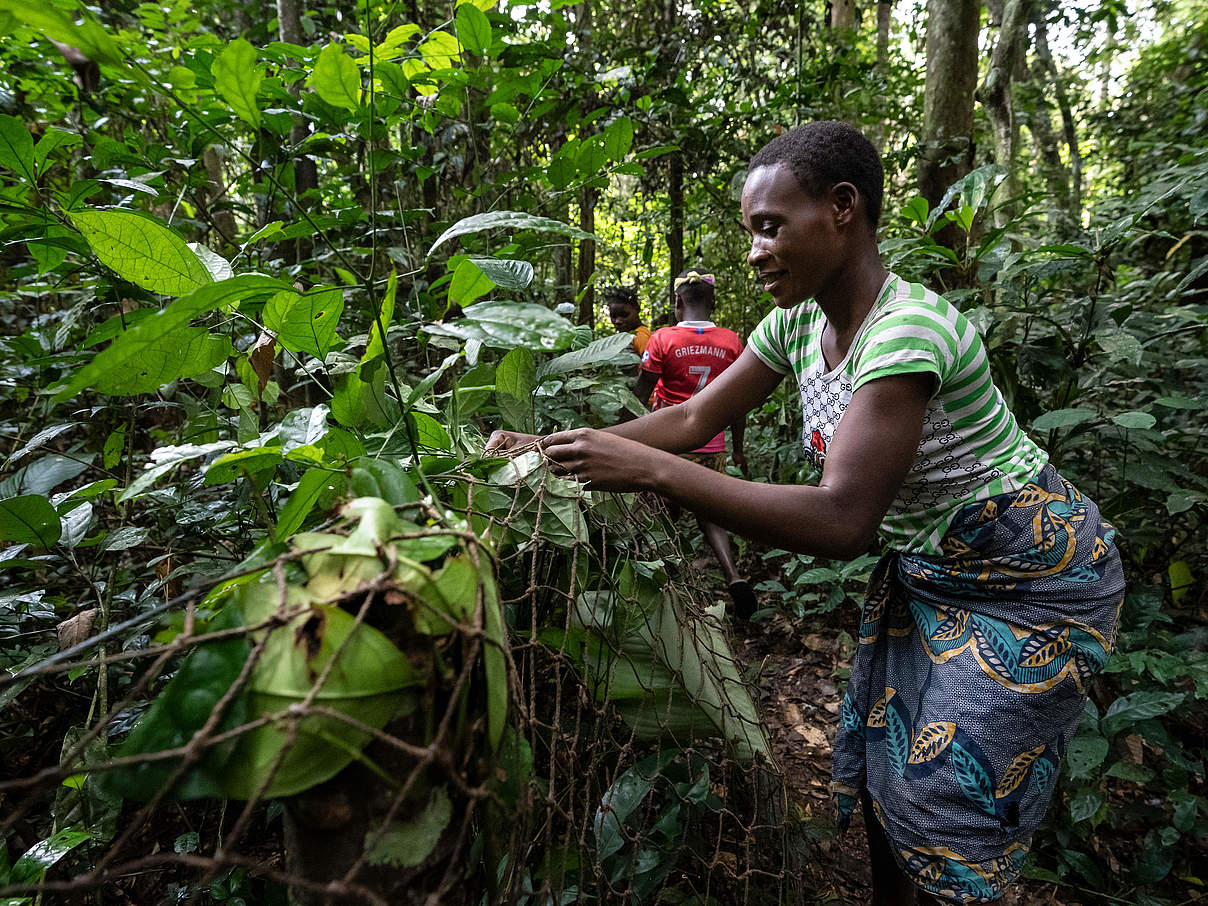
<point x="623" y="311"/>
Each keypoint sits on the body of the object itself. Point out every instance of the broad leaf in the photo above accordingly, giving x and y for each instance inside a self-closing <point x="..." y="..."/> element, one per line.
<point x="305" y="323"/>
<point x="618" y="138"/>
<point x="183" y="353"/>
<point x="17" y="148"/>
<point x="142" y="250"/>
<point x="1062" y="418"/>
<point x="516" y="373"/>
<point x="506" y="325"/>
<point x="41" y="438"/>
<point x="33" y="865"/>
<point x="336" y="78"/>
<point x="469" y="283"/>
<point x="44" y="474"/>
<point x="237" y="78"/>
<point x="89" y="37"/>
<point x="1128" y="710"/>
<point x="407" y="843"/>
<point x="517" y="220"/>
<point x="440" y="50"/>
<point x="616" y="349"/>
<point x="53" y="139"/>
<point x="164" y="334"/>
<point x="302" y="501"/>
<point x="379" y="328"/>
<point x="1140" y="420"/>
<point x="428" y="432"/>
<point x="1085" y="753"/>
<point x="164" y="460"/>
<point x="29" y="519"/>
<point x="506" y="273"/>
<point x="473" y="29"/>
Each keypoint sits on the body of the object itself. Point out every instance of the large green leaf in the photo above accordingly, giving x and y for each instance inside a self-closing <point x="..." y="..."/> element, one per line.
<point x="237" y="78"/>
<point x="616" y="349"/>
<point x="469" y="283"/>
<point x="302" y="501"/>
<point x="142" y="250"/>
<point x="405" y="844"/>
<point x="184" y="353"/>
<point x="506" y="325"/>
<point x="29" y="519"/>
<point x="618" y="138"/>
<point x="33" y="865"/>
<point x="380" y="326"/>
<point x="184" y="706"/>
<point x="365" y="676"/>
<point x="1062" y="418"/>
<point x="516" y="374"/>
<point x="305" y="323"/>
<point x="517" y="220"/>
<point x="149" y="345"/>
<point x="44" y="474"/>
<point x="17" y="148"/>
<point x="473" y="29"/>
<point x="53" y="139"/>
<point x="1129" y="709"/>
<point x="336" y="78"/>
<point x="506" y="273"/>
<point x="87" y="36"/>
<point x="440" y="50"/>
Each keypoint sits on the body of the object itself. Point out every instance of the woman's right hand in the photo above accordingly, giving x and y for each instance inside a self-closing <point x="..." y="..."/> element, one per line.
<point x="503" y="441"/>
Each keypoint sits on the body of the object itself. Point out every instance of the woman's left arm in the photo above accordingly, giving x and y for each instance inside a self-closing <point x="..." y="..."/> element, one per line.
<point x="868" y="460"/>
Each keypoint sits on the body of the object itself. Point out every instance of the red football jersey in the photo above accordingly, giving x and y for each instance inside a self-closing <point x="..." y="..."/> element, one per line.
<point x="686" y="359"/>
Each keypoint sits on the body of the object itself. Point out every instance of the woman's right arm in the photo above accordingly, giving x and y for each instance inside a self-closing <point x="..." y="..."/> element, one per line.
<point x="690" y="425"/>
<point x="676" y="429"/>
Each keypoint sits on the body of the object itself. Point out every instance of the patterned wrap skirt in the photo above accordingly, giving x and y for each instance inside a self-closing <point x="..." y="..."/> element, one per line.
<point x="971" y="676"/>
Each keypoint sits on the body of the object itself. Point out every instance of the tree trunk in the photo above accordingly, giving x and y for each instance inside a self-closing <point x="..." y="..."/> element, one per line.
<point x="675" y="174"/>
<point x="952" y="28"/>
<point x="995" y="94"/>
<point x="306" y="177"/>
<point x="1074" y="196"/>
<point x="1056" y="175"/>
<point x="884" y="24"/>
<point x="217" y="205"/>
<point x="587" y="257"/>
<point x="675" y="231"/>
<point x="843" y="14"/>
<point x="1105" y="71"/>
<point x="588" y="196"/>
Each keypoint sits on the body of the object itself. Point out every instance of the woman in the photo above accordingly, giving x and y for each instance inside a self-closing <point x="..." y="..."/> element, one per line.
<point x="998" y="598"/>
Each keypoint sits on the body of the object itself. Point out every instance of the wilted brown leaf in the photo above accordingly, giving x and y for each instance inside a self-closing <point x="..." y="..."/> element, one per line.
<point x="261" y="356"/>
<point x="77" y="629"/>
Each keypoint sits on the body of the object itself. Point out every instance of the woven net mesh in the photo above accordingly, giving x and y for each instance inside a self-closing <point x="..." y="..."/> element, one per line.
<point x="513" y="691"/>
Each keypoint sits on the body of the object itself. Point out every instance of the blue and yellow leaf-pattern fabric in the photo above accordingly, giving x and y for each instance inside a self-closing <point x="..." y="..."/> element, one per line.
<point x="971" y="674"/>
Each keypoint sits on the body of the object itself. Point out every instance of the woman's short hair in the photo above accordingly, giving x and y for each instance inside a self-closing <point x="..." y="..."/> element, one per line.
<point x="620" y="295"/>
<point x="827" y="152"/>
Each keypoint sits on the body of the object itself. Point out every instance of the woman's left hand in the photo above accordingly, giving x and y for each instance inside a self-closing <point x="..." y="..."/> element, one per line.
<point x="603" y="461"/>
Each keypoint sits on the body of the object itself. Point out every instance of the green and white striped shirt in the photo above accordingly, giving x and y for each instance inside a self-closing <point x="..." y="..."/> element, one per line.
<point x="971" y="448"/>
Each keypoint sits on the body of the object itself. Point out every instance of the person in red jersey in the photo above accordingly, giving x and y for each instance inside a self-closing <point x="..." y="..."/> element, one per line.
<point x="678" y="363"/>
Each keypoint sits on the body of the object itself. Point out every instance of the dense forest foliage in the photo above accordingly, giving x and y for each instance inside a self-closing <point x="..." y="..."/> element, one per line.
<point x="258" y="260"/>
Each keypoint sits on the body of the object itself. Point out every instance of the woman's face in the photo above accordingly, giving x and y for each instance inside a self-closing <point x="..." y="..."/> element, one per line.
<point x="624" y="317"/>
<point x="795" y="245"/>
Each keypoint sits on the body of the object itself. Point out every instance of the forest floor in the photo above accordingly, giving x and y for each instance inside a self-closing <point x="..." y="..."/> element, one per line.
<point x="801" y="667"/>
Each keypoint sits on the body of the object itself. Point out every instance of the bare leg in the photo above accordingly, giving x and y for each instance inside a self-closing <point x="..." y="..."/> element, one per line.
<point x="719" y="541"/>
<point x="889" y="886"/>
<point x="740" y="589"/>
